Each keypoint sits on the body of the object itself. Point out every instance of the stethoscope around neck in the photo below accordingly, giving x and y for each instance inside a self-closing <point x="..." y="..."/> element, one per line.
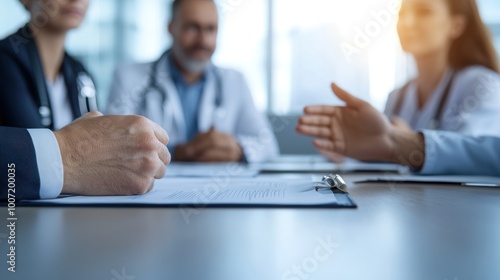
<point x="87" y="100"/>
<point x="87" y="94"/>
<point x="153" y="85"/>
<point x="437" y="118"/>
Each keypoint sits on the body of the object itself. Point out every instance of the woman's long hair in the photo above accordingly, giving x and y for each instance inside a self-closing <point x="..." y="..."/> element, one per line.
<point x="474" y="46"/>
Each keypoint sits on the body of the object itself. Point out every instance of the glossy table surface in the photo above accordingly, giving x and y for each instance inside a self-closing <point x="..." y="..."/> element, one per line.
<point x="397" y="232"/>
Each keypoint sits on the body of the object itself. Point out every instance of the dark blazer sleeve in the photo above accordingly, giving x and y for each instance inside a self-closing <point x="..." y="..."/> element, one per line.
<point x="18" y="162"/>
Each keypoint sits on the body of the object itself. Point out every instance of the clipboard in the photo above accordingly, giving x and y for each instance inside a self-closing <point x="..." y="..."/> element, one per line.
<point x="330" y="193"/>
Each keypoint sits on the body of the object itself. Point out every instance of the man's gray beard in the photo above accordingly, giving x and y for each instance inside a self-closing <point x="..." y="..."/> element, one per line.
<point x="190" y="65"/>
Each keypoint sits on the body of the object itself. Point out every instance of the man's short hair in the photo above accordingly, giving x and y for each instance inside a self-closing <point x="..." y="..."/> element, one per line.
<point x="175" y="7"/>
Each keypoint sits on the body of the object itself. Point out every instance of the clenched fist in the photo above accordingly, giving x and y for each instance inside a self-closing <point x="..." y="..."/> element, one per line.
<point x="112" y="155"/>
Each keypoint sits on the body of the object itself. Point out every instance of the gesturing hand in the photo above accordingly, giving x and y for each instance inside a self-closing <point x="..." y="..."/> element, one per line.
<point x="357" y="130"/>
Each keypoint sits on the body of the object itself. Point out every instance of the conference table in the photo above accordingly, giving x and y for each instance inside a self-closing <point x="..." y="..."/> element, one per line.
<point x="398" y="231"/>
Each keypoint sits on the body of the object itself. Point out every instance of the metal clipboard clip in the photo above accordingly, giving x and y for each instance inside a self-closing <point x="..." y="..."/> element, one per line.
<point x="333" y="182"/>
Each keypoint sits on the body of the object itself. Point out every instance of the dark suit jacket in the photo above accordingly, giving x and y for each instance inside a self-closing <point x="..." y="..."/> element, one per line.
<point x="17" y="156"/>
<point x="19" y="97"/>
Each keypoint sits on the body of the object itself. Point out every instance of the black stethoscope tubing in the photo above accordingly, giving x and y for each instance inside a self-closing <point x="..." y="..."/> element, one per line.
<point x="86" y="89"/>
<point x="439" y="114"/>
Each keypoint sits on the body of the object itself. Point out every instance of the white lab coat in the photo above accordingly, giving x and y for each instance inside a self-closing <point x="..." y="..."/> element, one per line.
<point x="449" y="153"/>
<point x="472" y="108"/>
<point x="240" y="117"/>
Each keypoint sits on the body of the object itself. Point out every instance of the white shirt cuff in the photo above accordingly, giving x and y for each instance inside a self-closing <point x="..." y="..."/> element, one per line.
<point x="49" y="161"/>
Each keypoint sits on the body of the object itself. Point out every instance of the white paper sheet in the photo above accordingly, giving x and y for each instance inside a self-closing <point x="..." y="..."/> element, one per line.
<point x="285" y="164"/>
<point x="209" y="170"/>
<point x="222" y="191"/>
<point x="318" y="164"/>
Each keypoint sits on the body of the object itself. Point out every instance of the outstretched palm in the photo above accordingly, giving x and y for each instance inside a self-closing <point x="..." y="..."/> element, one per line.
<point x="357" y="130"/>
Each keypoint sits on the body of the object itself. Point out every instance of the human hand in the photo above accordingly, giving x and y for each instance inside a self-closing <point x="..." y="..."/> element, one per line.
<point x="112" y="155"/>
<point x="398" y="123"/>
<point x="211" y="146"/>
<point x="357" y="130"/>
